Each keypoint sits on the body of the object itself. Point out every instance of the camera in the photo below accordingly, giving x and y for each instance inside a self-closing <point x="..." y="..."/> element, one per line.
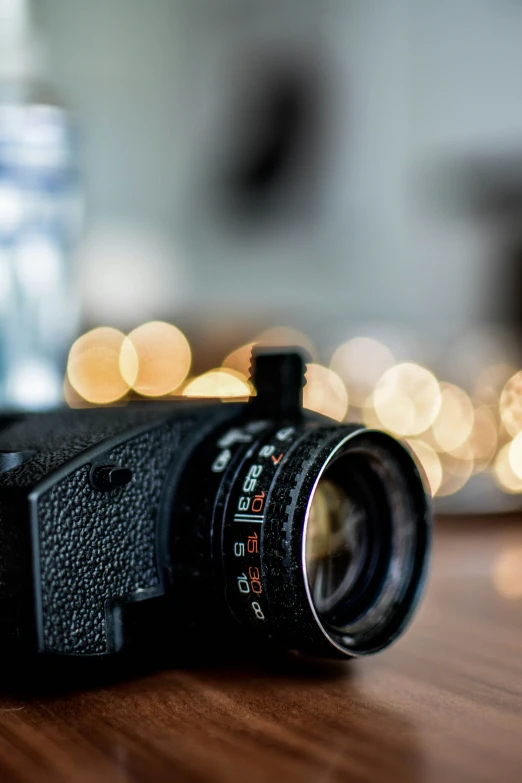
<point x="129" y="531"/>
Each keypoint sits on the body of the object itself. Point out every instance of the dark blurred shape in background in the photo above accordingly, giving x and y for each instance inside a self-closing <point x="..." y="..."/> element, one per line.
<point x="271" y="161"/>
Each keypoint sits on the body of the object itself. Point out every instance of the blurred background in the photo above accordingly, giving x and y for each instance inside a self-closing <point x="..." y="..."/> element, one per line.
<point x="180" y="179"/>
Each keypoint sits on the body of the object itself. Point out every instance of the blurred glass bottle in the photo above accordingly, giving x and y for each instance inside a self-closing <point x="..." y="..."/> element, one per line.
<point x="40" y="208"/>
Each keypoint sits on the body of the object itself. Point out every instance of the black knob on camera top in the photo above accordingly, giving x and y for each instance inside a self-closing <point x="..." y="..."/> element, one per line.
<point x="279" y="379"/>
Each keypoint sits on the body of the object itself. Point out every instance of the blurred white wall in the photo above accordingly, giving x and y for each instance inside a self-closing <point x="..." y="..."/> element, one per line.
<point x="412" y="83"/>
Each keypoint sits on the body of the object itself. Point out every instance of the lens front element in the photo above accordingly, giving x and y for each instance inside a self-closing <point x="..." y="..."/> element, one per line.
<point x="337" y="543"/>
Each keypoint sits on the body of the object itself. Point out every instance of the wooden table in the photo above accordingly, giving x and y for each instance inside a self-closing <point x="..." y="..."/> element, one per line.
<point x="443" y="704"/>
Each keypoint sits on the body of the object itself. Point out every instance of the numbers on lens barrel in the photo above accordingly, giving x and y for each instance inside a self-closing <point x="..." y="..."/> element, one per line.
<point x="250" y="583"/>
<point x="243" y="504"/>
<point x="221" y="461"/>
<point x="250" y="481"/>
<point x="248" y="506"/>
<point x="255" y="580"/>
<point x="242" y="584"/>
<point x="258" y="502"/>
<point x="285" y="433"/>
<point x="267" y="451"/>
<point x="253" y="544"/>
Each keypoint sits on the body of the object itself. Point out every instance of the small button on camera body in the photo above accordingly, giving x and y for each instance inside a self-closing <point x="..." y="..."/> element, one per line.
<point x="105" y="478"/>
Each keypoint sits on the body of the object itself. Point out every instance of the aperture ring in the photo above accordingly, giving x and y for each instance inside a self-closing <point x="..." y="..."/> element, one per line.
<point x="245" y="518"/>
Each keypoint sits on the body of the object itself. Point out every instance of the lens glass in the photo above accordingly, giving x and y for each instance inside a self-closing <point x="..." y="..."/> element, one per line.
<point x="345" y="540"/>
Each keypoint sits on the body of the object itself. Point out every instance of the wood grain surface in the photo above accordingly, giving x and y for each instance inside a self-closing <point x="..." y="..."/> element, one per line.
<point x="443" y="704"/>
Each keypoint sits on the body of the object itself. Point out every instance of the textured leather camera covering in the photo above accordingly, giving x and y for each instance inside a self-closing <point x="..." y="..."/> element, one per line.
<point x="97" y="546"/>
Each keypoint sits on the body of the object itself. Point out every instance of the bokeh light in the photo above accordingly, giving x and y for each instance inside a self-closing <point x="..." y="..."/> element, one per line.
<point x="407" y="399"/>
<point x="219" y="383"/>
<point x="456" y="471"/>
<point x="515" y="455"/>
<point x="240" y="359"/>
<point x="429" y="464"/>
<point x="511" y="405"/>
<point x="483" y="439"/>
<point x="71" y="396"/>
<point x="454" y="422"/>
<point x="163" y="359"/>
<point x="503" y="473"/>
<point x="507" y="573"/>
<point x="325" y="392"/>
<point x="360" y="363"/>
<point x="93" y="367"/>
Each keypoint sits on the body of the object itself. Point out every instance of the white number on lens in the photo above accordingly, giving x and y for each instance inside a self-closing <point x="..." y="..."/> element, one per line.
<point x="242" y="583"/>
<point x="250" y="482"/>
<point x="221" y="461"/>
<point x="239" y="549"/>
<point x="232" y="437"/>
<point x="258" y="611"/>
<point x="267" y="451"/>
<point x="244" y="504"/>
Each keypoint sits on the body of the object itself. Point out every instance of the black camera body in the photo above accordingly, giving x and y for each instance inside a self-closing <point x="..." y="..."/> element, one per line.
<point x="79" y="520"/>
<point x="128" y="529"/>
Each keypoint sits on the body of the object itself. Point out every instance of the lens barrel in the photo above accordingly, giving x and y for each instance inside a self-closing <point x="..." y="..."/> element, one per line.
<point x="250" y="535"/>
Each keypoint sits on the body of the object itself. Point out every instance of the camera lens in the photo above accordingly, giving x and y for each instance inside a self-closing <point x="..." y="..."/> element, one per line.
<point x="312" y="534"/>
